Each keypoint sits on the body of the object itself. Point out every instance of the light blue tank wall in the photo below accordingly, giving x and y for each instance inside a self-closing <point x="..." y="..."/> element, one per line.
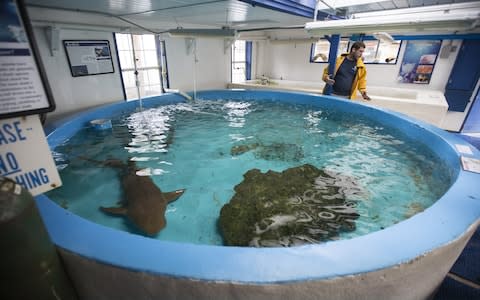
<point x="437" y="226"/>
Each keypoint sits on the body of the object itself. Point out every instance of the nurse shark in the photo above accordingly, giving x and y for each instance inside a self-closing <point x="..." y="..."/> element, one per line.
<point x="144" y="203"/>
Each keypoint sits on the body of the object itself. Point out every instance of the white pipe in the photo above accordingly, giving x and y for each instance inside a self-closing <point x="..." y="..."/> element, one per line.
<point x="83" y="27"/>
<point x="294" y="41"/>
<point x="137" y="82"/>
<point x="195" y="60"/>
<point x="183" y="94"/>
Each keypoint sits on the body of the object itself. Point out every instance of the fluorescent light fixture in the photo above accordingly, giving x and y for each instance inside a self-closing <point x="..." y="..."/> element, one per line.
<point x="206" y="33"/>
<point x="445" y="8"/>
<point x="294" y="41"/>
<point x="329" y="4"/>
<point x="403" y="20"/>
<point x="383" y="36"/>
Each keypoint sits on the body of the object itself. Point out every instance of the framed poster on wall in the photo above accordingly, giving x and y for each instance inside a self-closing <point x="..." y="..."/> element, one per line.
<point x="24" y="88"/>
<point x="418" y="61"/>
<point x="88" y="57"/>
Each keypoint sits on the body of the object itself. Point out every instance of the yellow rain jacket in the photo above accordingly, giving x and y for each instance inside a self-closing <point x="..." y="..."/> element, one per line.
<point x="360" y="80"/>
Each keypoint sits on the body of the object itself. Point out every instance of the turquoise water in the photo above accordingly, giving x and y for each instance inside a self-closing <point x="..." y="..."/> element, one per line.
<point x="190" y="146"/>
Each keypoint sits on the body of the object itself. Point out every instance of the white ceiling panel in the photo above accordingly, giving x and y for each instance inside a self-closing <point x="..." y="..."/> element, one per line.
<point x="232" y="14"/>
<point x="159" y="16"/>
<point x="162" y="15"/>
<point x="117" y="7"/>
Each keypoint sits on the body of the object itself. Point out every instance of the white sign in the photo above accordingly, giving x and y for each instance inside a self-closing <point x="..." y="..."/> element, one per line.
<point x="25" y="156"/>
<point x="464" y="149"/>
<point x="471" y="164"/>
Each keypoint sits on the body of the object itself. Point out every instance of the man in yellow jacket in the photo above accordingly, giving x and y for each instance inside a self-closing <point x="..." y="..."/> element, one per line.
<point x="350" y="74"/>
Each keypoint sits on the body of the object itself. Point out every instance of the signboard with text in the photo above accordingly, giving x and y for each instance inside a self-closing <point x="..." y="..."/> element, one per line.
<point x="25" y="156"/>
<point x="89" y="57"/>
<point x="23" y="86"/>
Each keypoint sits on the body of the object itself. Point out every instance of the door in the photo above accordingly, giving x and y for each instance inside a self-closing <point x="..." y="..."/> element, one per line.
<point x="464" y="76"/>
<point x="472" y="123"/>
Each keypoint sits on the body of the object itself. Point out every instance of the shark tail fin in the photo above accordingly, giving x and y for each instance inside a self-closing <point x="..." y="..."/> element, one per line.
<point x="120" y="211"/>
<point x="172" y="196"/>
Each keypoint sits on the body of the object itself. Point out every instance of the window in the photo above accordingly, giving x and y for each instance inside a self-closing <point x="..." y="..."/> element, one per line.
<point x="381" y="52"/>
<point x="375" y="51"/>
<point x="241" y="61"/>
<point x="139" y="52"/>
<point x="321" y="50"/>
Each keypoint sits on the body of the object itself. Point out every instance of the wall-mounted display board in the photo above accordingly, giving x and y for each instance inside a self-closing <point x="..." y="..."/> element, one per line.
<point x="418" y="61"/>
<point x="88" y="57"/>
<point x="24" y="89"/>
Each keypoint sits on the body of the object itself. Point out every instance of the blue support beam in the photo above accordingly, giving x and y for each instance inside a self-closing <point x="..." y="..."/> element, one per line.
<point x="332" y="58"/>
<point x="248" y="60"/>
<point x="303" y="8"/>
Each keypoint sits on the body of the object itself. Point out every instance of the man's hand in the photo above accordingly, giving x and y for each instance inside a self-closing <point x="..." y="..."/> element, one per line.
<point x="365" y="96"/>
<point x="329" y="80"/>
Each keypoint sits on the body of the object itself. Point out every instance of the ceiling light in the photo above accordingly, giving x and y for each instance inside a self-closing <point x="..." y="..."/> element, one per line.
<point x="294" y="41"/>
<point x="445" y="8"/>
<point x="206" y="33"/>
<point x="332" y="4"/>
<point x="383" y="36"/>
<point x="450" y="20"/>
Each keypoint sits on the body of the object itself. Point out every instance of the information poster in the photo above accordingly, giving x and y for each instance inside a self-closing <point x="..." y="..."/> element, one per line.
<point x="89" y="57"/>
<point x="23" y="88"/>
<point x="418" y="61"/>
<point x="25" y="156"/>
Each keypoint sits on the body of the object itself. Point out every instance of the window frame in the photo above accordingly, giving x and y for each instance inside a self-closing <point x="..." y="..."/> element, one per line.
<point x="132" y="52"/>
<point x="246" y="59"/>
<point x="312" y="52"/>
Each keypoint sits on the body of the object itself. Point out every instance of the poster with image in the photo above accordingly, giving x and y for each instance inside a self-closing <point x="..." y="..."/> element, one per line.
<point x="23" y="86"/>
<point x="418" y="61"/>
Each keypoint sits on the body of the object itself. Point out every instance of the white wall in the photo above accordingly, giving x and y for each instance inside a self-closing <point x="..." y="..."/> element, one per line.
<point x="76" y="93"/>
<point x="211" y="71"/>
<point x="292" y="62"/>
<point x="386" y="75"/>
<point x="73" y="94"/>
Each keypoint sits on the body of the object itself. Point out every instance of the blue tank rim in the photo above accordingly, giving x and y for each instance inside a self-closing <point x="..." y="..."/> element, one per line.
<point x="457" y="211"/>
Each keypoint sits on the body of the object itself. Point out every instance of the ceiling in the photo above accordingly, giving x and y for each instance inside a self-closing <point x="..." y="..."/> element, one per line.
<point x="159" y="16"/>
<point x="368" y="6"/>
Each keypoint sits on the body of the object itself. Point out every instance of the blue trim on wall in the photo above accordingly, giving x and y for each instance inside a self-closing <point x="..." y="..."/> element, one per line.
<point x="438" y="37"/>
<point x="248" y="60"/>
<point x="437" y="226"/>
